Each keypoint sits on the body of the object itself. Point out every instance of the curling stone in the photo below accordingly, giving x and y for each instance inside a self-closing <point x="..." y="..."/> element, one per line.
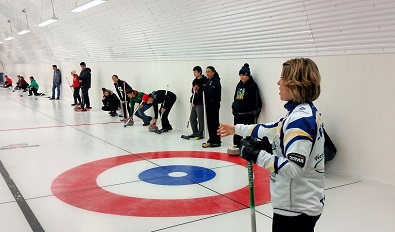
<point x="152" y="128"/>
<point x="233" y="151"/>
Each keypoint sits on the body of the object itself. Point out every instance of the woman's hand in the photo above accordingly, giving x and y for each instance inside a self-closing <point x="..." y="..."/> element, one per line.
<point x="225" y="130"/>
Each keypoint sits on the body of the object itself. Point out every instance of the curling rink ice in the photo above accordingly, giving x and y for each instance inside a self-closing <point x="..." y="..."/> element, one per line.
<point x="66" y="171"/>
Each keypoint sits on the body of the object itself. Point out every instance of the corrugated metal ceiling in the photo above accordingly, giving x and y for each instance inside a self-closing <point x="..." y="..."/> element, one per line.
<point x="127" y="30"/>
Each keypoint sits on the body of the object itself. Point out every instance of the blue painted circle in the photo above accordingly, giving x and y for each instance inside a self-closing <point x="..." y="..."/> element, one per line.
<point x="167" y="175"/>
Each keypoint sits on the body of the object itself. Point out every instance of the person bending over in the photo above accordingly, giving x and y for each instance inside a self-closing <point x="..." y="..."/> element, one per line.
<point x="137" y="97"/>
<point x="167" y="100"/>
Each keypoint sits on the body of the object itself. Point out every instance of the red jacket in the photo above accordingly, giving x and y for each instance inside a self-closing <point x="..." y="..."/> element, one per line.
<point x="76" y="82"/>
<point x="8" y="80"/>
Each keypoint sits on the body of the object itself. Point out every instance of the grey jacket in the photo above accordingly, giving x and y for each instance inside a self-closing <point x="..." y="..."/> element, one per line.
<point x="57" y="76"/>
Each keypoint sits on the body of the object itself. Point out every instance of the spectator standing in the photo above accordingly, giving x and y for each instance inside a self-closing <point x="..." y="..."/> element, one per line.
<point x="56" y="82"/>
<point x="85" y="84"/>
<point x="76" y="88"/>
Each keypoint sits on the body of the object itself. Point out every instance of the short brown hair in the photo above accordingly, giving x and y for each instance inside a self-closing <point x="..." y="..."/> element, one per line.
<point x="302" y="77"/>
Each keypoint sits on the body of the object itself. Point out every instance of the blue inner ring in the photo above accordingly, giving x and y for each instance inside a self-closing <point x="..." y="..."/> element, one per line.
<point x="160" y="175"/>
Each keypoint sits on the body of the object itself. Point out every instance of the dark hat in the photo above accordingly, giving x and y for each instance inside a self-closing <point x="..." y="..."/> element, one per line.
<point x="130" y="91"/>
<point x="245" y="70"/>
<point x="153" y="95"/>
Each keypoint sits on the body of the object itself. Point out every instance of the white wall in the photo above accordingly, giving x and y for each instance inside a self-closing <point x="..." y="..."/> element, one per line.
<point x="356" y="99"/>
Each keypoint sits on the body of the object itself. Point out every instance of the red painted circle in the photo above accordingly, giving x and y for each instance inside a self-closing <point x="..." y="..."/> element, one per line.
<point x="78" y="187"/>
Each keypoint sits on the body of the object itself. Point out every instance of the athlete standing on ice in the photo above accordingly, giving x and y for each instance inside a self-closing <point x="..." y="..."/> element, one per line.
<point x="212" y="98"/>
<point x="295" y="156"/>
<point x="85" y="84"/>
<point x="197" y="110"/>
<point x="122" y="87"/>
<point x="247" y="103"/>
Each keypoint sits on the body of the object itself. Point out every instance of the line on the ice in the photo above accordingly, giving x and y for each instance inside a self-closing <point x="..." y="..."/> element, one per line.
<point x="67" y="125"/>
<point x="339" y="186"/>
<point x="20" y="200"/>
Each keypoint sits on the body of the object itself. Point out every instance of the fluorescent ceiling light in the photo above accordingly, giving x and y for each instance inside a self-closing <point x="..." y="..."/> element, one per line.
<point x="9" y="38"/>
<point x="88" y="5"/>
<point x="24" y="31"/>
<point x="1" y="42"/>
<point x="49" y="21"/>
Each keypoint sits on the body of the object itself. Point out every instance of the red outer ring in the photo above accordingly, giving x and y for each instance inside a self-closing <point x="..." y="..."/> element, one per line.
<point x="78" y="187"/>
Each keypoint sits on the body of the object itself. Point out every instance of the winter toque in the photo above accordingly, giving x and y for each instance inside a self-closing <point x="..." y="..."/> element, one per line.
<point x="245" y="70"/>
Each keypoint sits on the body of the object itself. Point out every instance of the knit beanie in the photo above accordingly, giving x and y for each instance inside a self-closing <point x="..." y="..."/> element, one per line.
<point x="129" y="91"/>
<point x="245" y="70"/>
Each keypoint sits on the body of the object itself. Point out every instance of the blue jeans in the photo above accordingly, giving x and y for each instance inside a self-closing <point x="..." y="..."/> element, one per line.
<point x="55" y="86"/>
<point x="140" y="113"/>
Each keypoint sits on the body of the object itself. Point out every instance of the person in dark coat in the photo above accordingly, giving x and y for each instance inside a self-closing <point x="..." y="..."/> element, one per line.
<point x="167" y="100"/>
<point x="85" y="84"/>
<point x="122" y="87"/>
<point x="196" y="117"/>
<point x="110" y="102"/>
<point x="212" y="95"/>
<point x="247" y="103"/>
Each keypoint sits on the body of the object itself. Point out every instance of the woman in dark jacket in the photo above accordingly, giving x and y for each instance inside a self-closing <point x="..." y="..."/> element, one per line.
<point x="122" y="87"/>
<point x="212" y="95"/>
<point x="110" y="102"/>
<point x="247" y="103"/>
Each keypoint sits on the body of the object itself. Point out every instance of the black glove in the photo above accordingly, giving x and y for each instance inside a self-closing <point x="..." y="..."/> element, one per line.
<point x="247" y="151"/>
<point x="264" y="144"/>
<point x="261" y="144"/>
<point x="250" y="148"/>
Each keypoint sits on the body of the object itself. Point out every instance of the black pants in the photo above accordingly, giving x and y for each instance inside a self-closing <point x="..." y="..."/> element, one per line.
<point x="126" y="109"/>
<point x="212" y="113"/>
<point x="301" y="223"/>
<point x="24" y="87"/>
<point x="76" y="95"/>
<point x="245" y="119"/>
<point x="33" y="90"/>
<point x="85" y="95"/>
<point x="165" y="116"/>
<point x="111" y="107"/>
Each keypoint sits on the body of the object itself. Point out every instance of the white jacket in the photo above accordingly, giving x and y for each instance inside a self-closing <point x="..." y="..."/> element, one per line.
<point x="297" y="164"/>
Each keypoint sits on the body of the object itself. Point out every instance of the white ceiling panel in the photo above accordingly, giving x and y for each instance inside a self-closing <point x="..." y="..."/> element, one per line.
<point x="134" y="30"/>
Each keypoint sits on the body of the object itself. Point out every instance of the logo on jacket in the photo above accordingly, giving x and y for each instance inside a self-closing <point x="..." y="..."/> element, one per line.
<point x="240" y="94"/>
<point x="298" y="159"/>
